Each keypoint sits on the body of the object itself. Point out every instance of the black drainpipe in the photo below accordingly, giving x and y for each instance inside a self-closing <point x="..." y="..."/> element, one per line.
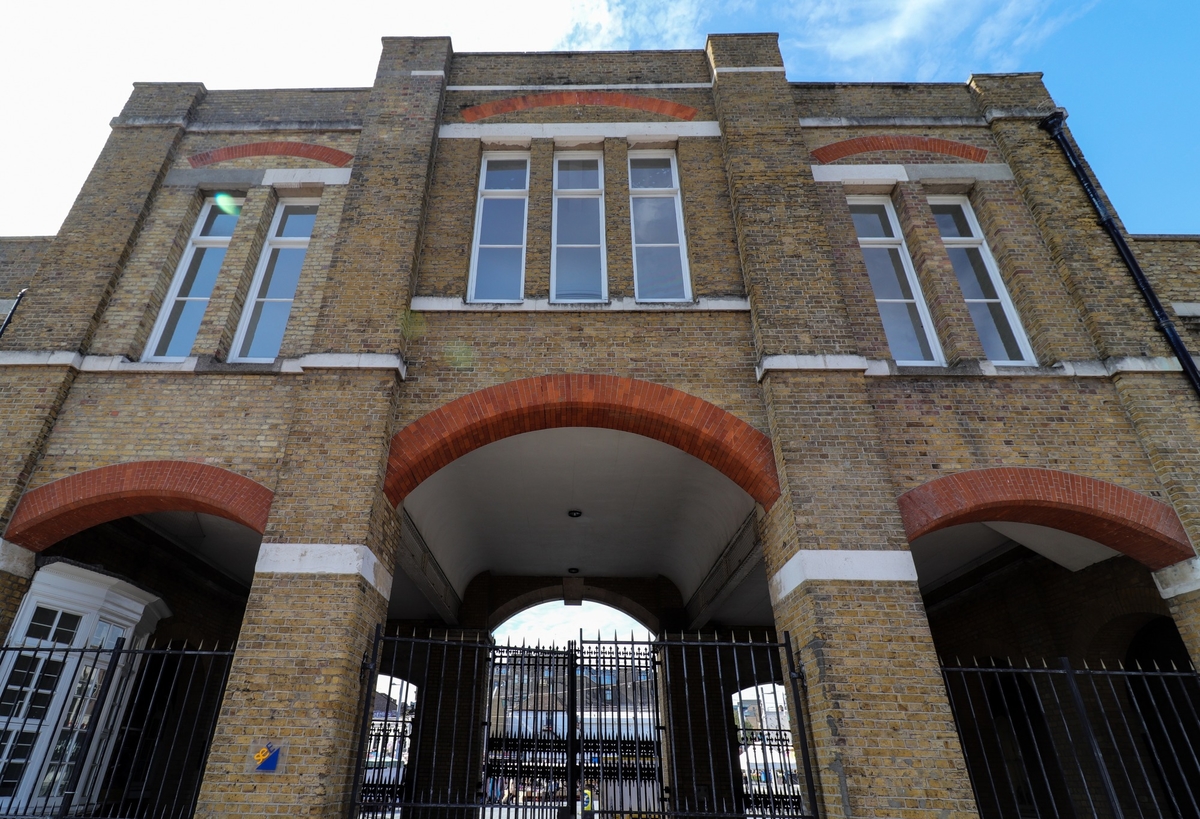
<point x="12" y="312"/>
<point x="1054" y="125"/>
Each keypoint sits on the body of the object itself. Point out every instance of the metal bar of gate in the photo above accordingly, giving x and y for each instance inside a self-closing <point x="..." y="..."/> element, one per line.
<point x="90" y="734"/>
<point x="1089" y="734"/>
<point x="801" y="724"/>
<point x="369" y="674"/>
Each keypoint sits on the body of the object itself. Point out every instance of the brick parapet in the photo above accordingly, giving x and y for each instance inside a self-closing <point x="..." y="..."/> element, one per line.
<point x="578" y="68"/>
<point x="78" y="273"/>
<point x="884" y="99"/>
<point x="376" y="255"/>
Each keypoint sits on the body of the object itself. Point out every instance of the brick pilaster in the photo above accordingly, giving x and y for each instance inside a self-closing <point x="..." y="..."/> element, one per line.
<point x="295" y="677"/>
<point x="876" y="700"/>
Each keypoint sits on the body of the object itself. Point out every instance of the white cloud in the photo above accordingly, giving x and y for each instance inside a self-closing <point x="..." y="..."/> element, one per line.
<point x="916" y="39"/>
<point x="630" y="24"/>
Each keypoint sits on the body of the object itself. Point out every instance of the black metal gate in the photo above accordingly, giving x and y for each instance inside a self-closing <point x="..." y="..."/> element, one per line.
<point x="680" y="726"/>
<point x="1058" y="741"/>
<point x="106" y="731"/>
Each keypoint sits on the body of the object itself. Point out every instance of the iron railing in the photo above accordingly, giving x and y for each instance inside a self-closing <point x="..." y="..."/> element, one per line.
<point x="1052" y="740"/>
<point x="106" y="731"/>
<point x="682" y="726"/>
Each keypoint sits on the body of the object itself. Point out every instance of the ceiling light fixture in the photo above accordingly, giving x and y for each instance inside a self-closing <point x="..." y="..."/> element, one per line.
<point x="574" y="513"/>
<point x="572" y="571"/>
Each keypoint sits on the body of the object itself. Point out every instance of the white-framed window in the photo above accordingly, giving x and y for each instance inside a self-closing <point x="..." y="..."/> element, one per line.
<point x="56" y="658"/>
<point x="179" y="319"/>
<point x="269" y="303"/>
<point x="498" y="248"/>
<point x="992" y="310"/>
<point x="902" y="308"/>
<point x="578" y="265"/>
<point x="660" y="265"/>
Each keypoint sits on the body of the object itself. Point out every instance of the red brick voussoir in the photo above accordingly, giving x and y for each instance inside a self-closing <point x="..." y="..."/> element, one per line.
<point x="305" y="150"/>
<point x="61" y="508"/>
<point x="691" y="424"/>
<point x="862" y="145"/>
<point x="1137" y="525"/>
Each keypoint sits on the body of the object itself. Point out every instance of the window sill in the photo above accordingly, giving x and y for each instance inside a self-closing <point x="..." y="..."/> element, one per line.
<point x="205" y="364"/>
<point x="452" y="304"/>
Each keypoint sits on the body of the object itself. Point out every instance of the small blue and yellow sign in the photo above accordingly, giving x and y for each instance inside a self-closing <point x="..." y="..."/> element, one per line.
<point x="266" y="758"/>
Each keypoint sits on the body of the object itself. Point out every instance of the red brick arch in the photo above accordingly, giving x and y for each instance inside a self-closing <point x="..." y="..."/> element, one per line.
<point x="61" y="508"/>
<point x="1147" y="530"/>
<point x="699" y="428"/>
<point x="555" y="98"/>
<point x="861" y="145"/>
<point x="305" y="150"/>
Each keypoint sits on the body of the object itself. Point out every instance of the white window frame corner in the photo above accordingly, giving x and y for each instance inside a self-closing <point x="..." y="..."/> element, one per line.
<point x="195" y="240"/>
<point x="575" y="154"/>
<point x="910" y="270"/>
<point x="677" y="193"/>
<point x="480" y="195"/>
<point x="270" y="242"/>
<point x="979" y="240"/>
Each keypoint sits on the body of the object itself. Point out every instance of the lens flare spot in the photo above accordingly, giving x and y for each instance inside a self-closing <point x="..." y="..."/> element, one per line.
<point x="227" y="204"/>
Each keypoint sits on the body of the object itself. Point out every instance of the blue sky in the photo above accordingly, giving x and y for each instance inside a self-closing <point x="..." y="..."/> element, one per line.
<point x="1128" y="73"/>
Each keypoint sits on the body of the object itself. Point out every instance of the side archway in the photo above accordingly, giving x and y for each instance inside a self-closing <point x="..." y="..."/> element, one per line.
<point x="70" y="505"/>
<point x="701" y="429"/>
<point x="1139" y="526"/>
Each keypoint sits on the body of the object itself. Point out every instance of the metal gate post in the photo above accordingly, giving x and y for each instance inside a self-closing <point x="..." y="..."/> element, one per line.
<point x="801" y="722"/>
<point x="1077" y="698"/>
<point x="573" y="682"/>
<point x="367" y="675"/>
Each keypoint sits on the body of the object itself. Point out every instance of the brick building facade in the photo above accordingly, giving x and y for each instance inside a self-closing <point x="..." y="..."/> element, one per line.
<point x="302" y="362"/>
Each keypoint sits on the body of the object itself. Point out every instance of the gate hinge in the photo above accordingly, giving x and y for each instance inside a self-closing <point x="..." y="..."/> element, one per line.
<point x="366" y="668"/>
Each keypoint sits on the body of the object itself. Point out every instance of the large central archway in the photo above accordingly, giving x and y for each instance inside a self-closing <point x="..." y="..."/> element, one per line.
<point x="699" y="428"/>
<point x="603" y="481"/>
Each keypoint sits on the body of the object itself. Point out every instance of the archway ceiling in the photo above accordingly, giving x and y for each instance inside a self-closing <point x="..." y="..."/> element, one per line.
<point x="946" y="554"/>
<point x="648" y="509"/>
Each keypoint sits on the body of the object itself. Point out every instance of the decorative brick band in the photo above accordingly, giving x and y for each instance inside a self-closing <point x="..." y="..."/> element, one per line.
<point x="59" y="509"/>
<point x="1147" y="530"/>
<point x="699" y="428"/>
<point x="306" y="150"/>
<point x="612" y="99"/>
<point x="861" y="145"/>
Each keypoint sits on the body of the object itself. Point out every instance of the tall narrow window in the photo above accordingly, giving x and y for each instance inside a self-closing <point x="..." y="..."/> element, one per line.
<point x="660" y="268"/>
<point x="577" y="268"/>
<point x="498" y="257"/>
<point x="897" y="295"/>
<point x="269" y="304"/>
<point x="987" y="298"/>
<point x="179" y="320"/>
